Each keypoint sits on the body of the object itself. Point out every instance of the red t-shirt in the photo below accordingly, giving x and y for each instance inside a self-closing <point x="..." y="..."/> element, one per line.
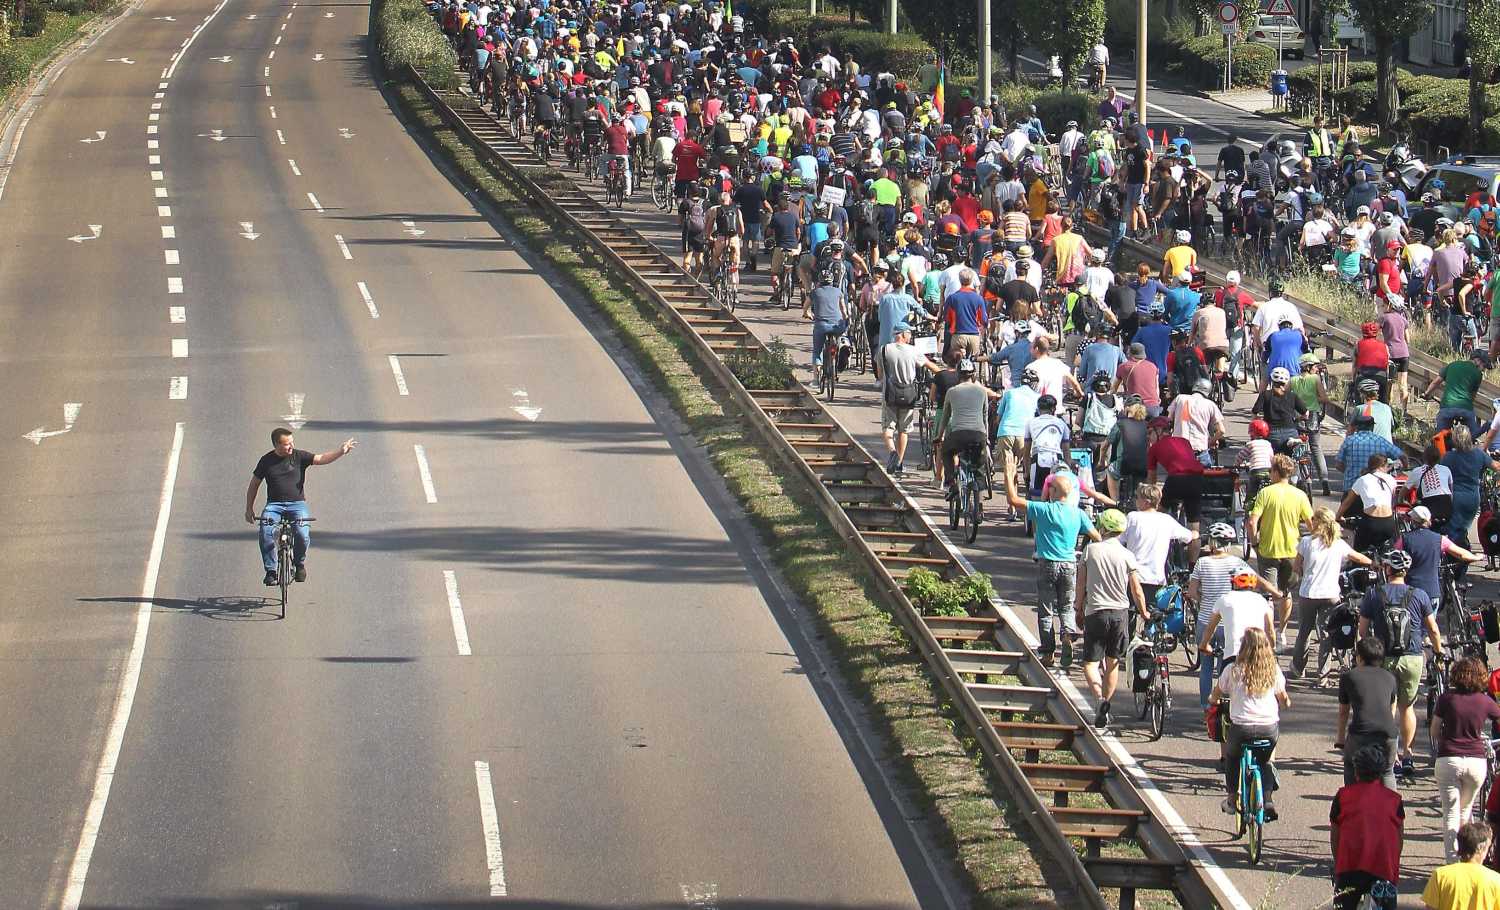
<point x="966" y="207"/>
<point x="1369" y="817"/>
<point x="618" y="139"/>
<point x="1141" y="378"/>
<point x="1371" y="353"/>
<point x="1175" y="455"/>
<point x="686" y="156"/>
<point x="1392" y="272"/>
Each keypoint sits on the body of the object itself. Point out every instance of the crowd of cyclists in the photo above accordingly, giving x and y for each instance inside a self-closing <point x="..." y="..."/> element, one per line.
<point x="969" y="255"/>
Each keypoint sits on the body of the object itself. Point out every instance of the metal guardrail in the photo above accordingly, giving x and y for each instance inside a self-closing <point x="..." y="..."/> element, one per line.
<point x="1034" y="739"/>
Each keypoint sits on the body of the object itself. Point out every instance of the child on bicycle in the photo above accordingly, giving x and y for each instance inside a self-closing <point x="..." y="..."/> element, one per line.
<point x="1256" y="691"/>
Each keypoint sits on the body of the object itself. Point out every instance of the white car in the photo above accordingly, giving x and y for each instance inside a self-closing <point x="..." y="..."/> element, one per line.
<point x="1282" y="30"/>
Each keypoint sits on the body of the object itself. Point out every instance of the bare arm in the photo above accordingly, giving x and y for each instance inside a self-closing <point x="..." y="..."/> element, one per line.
<point x="1207" y="638"/>
<point x="333" y="455"/>
<point x="250" y="495"/>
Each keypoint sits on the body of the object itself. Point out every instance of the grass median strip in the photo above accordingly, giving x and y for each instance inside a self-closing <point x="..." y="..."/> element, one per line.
<point x="941" y="767"/>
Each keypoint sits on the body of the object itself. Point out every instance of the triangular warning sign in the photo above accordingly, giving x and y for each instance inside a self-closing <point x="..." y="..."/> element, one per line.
<point x="1280" y="8"/>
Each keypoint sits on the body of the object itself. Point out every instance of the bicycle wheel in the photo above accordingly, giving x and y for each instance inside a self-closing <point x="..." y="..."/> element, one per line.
<point x="284" y="572"/>
<point x="955" y="506"/>
<point x="1254" y="815"/>
<point x="661" y="194"/>
<point x="1157" y="708"/>
<point x="830" y="372"/>
<point x="972" y="511"/>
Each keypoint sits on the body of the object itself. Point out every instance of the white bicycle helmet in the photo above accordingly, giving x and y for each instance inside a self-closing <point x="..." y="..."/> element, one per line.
<point x="1221" y="531"/>
<point x="1396" y="560"/>
<point x="1281" y="374"/>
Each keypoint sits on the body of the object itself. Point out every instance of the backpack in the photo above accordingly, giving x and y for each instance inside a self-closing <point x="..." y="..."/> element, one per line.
<point x="1132" y="447"/>
<point x="1231" y="304"/>
<point x="697" y="218"/>
<point x="866" y="212"/>
<point x="1106" y="163"/>
<point x="1397" y="624"/>
<point x="1047" y="444"/>
<point x="1099" y="414"/>
<point x="1341" y="628"/>
<point x="1085" y="314"/>
<point x="994" y="282"/>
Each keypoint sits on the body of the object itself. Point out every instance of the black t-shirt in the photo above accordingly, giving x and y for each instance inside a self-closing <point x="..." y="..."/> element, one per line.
<point x="1015" y="290"/>
<point x="1121" y="300"/>
<point x="1232" y="157"/>
<point x="1135" y="165"/>
<point x="785" y="228"/>
<point x="284" y="475"/>
<point x="942" y="382"/>
<point x="1279" y="410"/>
<point x="750" y="198"/>
<point x="1369" y="692"/>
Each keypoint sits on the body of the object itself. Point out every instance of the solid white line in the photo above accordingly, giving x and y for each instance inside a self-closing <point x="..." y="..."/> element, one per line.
<point x="164" y="211"/>
<point x="343" y="247"/>
<point x="172" y="257"/>
<point x="177" y="314"/>
<point x="280" y="138"/>
<point x="426" y="472"/>
<point x="179" y="347"/>
<point x="315" y="203"/>
<point x="491" y="820"/>
<point x="268" y="91"/>
<point x="369" y="301"/>
<point x="177" y="58"/>
<point x="115" y="737"/>
<point x="456" y="611"/>
<point x="161" y="192"/>
<point x="293" y="163"/>
<point x="174" y="285"/>
<point x="400" y="376"/>
<point x="158" y="176"/>
<point x="177" y="391"/>
<point x="168" y="232"/>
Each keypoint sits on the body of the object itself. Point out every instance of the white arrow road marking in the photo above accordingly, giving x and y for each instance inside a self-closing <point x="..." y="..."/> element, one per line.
<point x="369" y="301"/>
<point x="125" y="60"/>
<point x="247" y="230"/>
<point x="412" y="229"/>
<point x="98" y="136"/>
<point x="177" y="314"/>
<point x="523" y="405"/>
<point x="343" y="247"/>
<point x="428" y="489"/>
<point x="345" y="133"/>
<point x="224" y="59"/>
<point x="177" y="389"/>
<point x="315" y="203"/>
<point x="215" y="135"/>
<point x="317" y="58"/>
<point x="96" y="230"/>
<point x="701" y="894"/>
<point x="456" y="612"/>
<point x="294" y="402"/>
<point x="70" y="417"/>
<point x="490" y="819"/>
<point x="400" y="376"/>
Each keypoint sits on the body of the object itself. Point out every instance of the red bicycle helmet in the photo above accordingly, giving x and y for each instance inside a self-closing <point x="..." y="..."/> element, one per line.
<point x="1259" y="429"/>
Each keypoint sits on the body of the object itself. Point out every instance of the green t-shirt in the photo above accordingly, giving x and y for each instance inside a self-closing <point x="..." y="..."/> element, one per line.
<point x="1460" y="382"/>
<point x="1305" y="387"/>
<point x="886" y="191"/>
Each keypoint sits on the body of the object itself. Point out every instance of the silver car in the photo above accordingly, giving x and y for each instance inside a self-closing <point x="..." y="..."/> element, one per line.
<point x="1282" y="30"/>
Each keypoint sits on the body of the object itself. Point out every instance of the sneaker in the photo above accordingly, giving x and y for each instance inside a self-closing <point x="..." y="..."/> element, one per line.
<point x="1067" y="653"/>
<point x="1326" y="491"/>
<point x="300" y="574"/>
<point x="899" y="470"/>
<point x="890" y="463"/>
<point x="1101" y="719"/>
<point x="1406" y="767"/>
<point x="1281" y="641"/>
<point x="1228" y="806"/>
<point x="1046" y="660"/>
<point x="1269" y="811"/>
<point x="270" y="580"/>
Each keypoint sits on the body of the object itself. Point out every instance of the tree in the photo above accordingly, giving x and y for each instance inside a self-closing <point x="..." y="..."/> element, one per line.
<point x="952" y="27"/>
<point x="1484" y="49"/>
<point x="1388" y="22"/>
<point x="1072" y="28"/>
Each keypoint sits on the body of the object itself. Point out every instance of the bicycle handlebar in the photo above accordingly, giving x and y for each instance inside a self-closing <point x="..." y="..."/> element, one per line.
<point x="290" y="519"/>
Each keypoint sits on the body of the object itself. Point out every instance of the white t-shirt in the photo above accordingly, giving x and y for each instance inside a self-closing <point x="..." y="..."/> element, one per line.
<point x="1050" y="372"/>
<point x="1192" y="417"/>
<point x="1098" y="279"/>
<point x="1321" y="567"/>
<point x="1238" y="611"/>
<point x="1362" y="235"/>
<point x="1149" y="536"/>
<point x="1375" y="490"/>
<point x="1317" y="232"/>
<point x="948" y="279"/>
<point x="1268" y="317"/>
<point x="1246" y="710"/>
<point x="1048" y="434"/>
<point x="1434" y="481"/>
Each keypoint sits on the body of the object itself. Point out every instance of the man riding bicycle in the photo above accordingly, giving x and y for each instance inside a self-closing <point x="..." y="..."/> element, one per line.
<point x="617" y="148"/>
<point x="728" y="227"/>
<point x="284" y="470"/>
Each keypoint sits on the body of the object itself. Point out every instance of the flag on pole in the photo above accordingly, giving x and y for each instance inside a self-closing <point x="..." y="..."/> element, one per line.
<point x="728" y="10"/>
<point x="937" y="95"/>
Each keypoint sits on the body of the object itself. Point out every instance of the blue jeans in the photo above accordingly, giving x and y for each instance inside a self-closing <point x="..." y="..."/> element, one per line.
<point x="821" y="331"/>
<point x="275" y="511"/>
<point x="1445" y="417"/>
<point x="1054" y="602"/>
<point x="1209" y="667"/>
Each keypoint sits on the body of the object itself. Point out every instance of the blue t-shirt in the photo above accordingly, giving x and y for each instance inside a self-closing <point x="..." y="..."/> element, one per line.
<point x="895" y="307"/>
<point x="1017" y="407"/>
<point x="1157" y="338"/>
<point x="1467" y="467"/>
<point x="1099" y="356"/>
<point x="1145" y="294"/>
<point x="964" y="313"/>
<point x="1420" y="607"/>
<point x="1057" y="528"/>
<point x="1182" y="303"/>
<point x="1018" y="355"/>
<point x="1425" y="547"/>
<point x="1284" y="349"/>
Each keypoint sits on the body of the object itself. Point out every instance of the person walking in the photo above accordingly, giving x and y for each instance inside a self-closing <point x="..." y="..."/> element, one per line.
<point x="1466" y="464"/>
<point x="1366" y="826"/>
<point x="1108" y="586"/>
<point x="900" y="378"/>
<point x="1057" y="525"/>
<point x="1149" y="535"/>
<point x="1257" y="692"/>
<point x="1367" y="702"/>
<point x="1321" y="556"/>
<point x="1275" y="527"/>
<point x="1460" y="730"/>
<point x="1375" y="493"/>
<point x="1465" y="883"/>
<point x="1400" y="615"/>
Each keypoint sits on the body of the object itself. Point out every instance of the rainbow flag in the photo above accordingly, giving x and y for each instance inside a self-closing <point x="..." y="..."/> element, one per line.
<point x="937" y="95"/>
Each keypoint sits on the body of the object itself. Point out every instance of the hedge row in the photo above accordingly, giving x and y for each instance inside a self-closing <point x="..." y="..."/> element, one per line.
<point x="900" y="54"/>
<point x="407" y="36"/>
<point x="1201" y="60"/>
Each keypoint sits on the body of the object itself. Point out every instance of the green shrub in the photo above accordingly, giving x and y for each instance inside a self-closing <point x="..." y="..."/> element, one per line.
<point x="71" y="7"/>
<point x="768" y="368"/>
<point x="1357" y="100"/>
<point x="14" y="66"/>
<point x="1439" y="114"/>
<point x="407" y="36"/>
<point x="876" y="51"/>
<point x="35" y="20"/>
<point x="1202" y="61"/>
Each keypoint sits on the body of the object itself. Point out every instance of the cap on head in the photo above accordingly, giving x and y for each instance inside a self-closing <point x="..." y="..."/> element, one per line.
<point x="1111" y="521"/>
<point x="1232" y="277"/>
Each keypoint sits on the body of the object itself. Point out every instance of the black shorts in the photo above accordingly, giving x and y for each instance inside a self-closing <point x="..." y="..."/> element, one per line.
<point x="1401" y="364"/>
<point x="1186" y="489"/>
<point x="1105" y="635"/>
<point x="693" y="243"/>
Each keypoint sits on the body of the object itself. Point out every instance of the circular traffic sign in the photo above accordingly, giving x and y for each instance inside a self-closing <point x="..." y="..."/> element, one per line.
<point x="1228" y="12"/>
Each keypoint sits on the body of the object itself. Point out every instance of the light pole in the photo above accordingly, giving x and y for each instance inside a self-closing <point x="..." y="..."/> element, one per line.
<point x="891" y="18"/>
<point x="1140" y="60"/>
<point x="986" y="62"/>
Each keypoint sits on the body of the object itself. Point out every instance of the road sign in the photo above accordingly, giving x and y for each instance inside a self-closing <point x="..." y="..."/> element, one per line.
<point x="1229" y="13"/>
<point x="1229" y="28"/>
<point x="1280" y="8"/>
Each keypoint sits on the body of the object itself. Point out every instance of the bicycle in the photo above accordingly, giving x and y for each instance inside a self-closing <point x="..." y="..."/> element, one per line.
<point x="1152" y="684"/>
<point x="965" y="502"/>
<point x="614" y="184"/>
<point x="1251" y="811"/>
<point x="828" y="372"/>
<point x="786" y="281"/>
<point x="661" y="188"/>
<point x="1461" y="627"/>
<point x="542" y="143"/>
<point x="721" y="283"/>
<point x="860" y="343"/>
<point x="923" y="419"/>
<point x="283" y="539"/>
<point x="1436" y="674"/>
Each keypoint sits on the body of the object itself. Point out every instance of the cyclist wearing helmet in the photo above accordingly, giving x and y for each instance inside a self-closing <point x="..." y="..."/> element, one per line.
<point x="1372" y="358"/>
<point x="1016" y="355"/>
<point x="1017" y="407"/>
<point x="1281" y="409"/>
<point x="1198" y="420"/>
<point x="1311" y="388"/>
<point x="1211" y="580"/>
<point x="963" y="421"/>
<point x="1108" y="586"/>
<point x="1381" y="605"/>
<point x="1460" y="381"/>
<point x="1371" y="406"/>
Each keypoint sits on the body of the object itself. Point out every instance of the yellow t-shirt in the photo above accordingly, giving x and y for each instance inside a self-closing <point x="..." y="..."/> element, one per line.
<point x="1036" y="200"/>
<point x="1463" y="886"/>
<point x="1279" y="510"/>
<point x="1177" y="259"/>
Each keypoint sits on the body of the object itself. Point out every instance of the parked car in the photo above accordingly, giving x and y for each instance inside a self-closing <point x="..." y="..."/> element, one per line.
<point x="1280" y="31"/>
<point x="1455" y="178"/>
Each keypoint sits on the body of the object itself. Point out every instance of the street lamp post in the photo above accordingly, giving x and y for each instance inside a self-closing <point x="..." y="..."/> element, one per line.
<point x="891" y="18"/>
<point x="986" y="62"/>
<point x="1140" y="59"/>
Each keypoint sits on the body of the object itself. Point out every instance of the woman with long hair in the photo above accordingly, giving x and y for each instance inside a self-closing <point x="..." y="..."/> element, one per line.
<point x="1257" y="692"/>
<point x="1460" y="726"/>
<point x="1320" y="559"/>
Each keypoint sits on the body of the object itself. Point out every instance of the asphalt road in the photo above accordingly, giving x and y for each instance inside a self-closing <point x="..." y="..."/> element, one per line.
<point x="1294" y="869"/>
<point x="537" y="655"/>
